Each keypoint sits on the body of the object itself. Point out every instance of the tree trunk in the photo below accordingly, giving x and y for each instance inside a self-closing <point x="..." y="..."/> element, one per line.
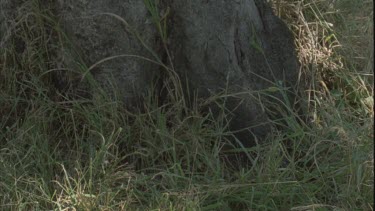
<point x="214" y="45"/>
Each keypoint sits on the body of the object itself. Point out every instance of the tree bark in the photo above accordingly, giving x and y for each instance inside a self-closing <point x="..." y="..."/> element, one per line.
<point x="215" y="45"/>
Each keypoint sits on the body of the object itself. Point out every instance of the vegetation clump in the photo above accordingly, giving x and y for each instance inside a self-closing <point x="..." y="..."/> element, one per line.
<point x="64" y="150"/>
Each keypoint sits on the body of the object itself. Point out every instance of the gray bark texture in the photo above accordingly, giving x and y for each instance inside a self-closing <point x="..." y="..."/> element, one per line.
<point x="238" y="45"/>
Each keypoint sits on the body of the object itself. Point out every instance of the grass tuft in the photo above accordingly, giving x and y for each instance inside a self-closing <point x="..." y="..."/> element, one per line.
<point x="62" y="151"/>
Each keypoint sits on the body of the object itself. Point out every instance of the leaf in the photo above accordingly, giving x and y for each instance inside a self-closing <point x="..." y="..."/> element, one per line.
<point x="272" y="89"/>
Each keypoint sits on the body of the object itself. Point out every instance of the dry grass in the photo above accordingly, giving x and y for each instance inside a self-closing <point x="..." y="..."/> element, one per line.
<point x="66" y="153"/>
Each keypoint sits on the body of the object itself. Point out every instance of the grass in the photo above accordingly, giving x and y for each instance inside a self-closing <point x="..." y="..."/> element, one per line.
<point x="63" y="152"/>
